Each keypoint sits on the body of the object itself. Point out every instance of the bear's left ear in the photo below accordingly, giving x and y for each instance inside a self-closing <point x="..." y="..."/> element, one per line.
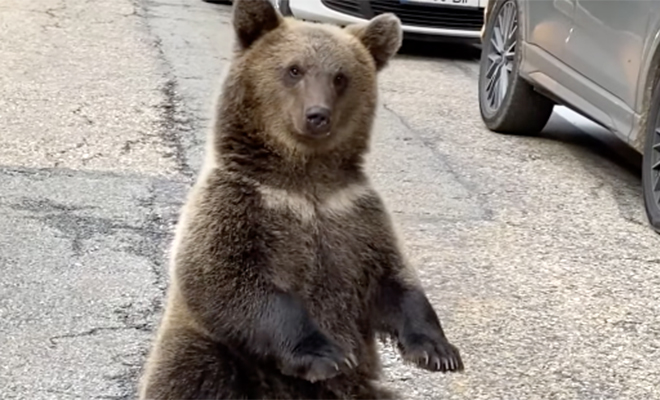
<point x="382" y="36"/>
<point x="252" y="19"/>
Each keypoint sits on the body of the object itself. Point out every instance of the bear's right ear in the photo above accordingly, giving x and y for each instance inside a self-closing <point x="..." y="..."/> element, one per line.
<point x="382" y="36"/>
<point x="253" y="19"/>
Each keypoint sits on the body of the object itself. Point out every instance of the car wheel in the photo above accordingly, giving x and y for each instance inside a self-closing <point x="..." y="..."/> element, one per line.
<point x="508" y="103"/>
<point x="651" y="162"/>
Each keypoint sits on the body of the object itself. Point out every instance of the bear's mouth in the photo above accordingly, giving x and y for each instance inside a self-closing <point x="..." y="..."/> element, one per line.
<point x="318" y="133"/>
<point x="313" y="136"/>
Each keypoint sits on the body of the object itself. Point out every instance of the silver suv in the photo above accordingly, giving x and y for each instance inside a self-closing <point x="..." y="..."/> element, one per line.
<point x="597" y="57"/>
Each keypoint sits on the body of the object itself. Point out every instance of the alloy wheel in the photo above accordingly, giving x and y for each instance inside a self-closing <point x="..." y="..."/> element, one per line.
<point x="501" y="53"/>
<point x="655" y="163"/>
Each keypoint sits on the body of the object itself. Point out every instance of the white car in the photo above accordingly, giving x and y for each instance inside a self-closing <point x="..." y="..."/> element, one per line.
<point x="460" y="19"/>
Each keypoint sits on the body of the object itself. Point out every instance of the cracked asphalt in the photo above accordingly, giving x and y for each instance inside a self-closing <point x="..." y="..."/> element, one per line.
<point x="534" y="250"/>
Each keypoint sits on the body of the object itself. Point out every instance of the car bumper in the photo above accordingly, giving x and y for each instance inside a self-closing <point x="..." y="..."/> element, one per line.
<point x="315" y="10"/>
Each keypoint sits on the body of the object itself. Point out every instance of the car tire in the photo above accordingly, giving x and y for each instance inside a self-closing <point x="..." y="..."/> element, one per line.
<point x="651" y="162"/>
<point x="283" y="8"/>
<point x="519" y="110"/>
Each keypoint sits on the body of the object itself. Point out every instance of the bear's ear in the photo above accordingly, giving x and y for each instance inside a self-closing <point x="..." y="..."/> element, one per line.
<point x="252" y="19"/>
<point x="382" y="36"/>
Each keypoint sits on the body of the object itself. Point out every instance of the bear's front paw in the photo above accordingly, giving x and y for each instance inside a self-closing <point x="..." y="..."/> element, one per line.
<point x="321" y="362"/>
<point x="431" y="354"/>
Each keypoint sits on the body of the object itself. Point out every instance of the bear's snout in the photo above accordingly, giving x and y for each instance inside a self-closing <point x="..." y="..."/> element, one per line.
<point x="317" y="121"/>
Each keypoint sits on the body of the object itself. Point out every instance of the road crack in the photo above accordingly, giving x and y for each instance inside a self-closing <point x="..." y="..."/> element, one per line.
<point x="442" y="159"/>
<point x="95" y="331"/>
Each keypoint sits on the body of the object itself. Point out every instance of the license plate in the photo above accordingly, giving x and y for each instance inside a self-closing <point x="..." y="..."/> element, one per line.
<point x="460" y="3"/>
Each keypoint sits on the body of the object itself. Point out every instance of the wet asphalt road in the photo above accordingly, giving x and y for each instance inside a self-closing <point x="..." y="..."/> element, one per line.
<point x="535" y="251"/>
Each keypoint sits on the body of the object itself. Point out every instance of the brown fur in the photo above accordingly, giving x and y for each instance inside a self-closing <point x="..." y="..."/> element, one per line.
<point x="285" y="265"/>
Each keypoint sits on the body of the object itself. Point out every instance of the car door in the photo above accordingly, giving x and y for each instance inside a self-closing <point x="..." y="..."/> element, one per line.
<point x="606" y="48"/>
<point x="548" y="24"/>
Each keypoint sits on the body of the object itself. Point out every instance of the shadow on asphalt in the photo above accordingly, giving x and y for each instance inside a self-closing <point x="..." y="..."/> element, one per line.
<point x="608" y="158"/>
<point x="441" y="50"/>
<point x="597" y="143"/>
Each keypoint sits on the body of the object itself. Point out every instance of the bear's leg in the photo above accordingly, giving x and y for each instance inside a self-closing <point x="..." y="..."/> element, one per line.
<point x="404" y="311"/>
<point x="187" y="365"/>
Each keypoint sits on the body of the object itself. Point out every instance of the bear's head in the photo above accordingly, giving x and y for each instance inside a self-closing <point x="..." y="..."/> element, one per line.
<point x="306" y="87"/>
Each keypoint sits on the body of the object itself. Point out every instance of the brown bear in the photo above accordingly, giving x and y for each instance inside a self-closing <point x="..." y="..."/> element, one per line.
<point x="285" y="266"/>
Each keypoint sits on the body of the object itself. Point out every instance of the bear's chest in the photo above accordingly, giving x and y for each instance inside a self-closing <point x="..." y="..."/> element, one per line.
<point x="323" y="254"/>
<point x="320" y="252"/>
<point x="326" y="267"/>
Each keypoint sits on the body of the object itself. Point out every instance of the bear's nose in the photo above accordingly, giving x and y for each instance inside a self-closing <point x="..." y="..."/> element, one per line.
<point x="318" y="120"/>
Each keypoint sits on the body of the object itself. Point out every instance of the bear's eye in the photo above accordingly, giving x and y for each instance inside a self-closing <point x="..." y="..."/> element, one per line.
<point x="294" y="72"/>
<point x="340" y="80"/>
